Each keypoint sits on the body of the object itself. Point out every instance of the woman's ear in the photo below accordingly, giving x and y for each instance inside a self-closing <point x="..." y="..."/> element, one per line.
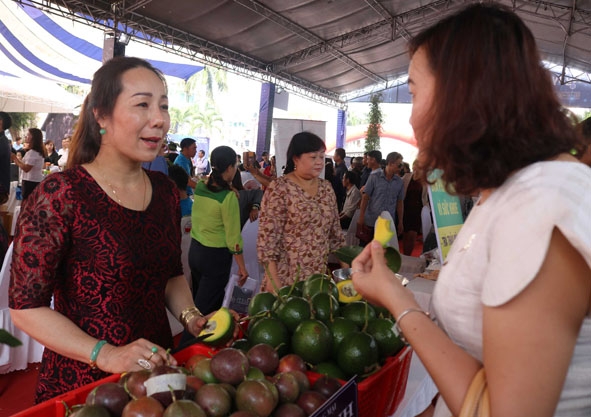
<point x="99" y="119"/>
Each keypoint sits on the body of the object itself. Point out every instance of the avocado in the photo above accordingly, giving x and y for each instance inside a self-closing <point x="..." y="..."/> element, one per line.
<point x="220" y="327"/>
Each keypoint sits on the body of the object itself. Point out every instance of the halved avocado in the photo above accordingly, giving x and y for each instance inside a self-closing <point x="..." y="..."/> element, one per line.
<point x="220" y="326"/>
<point x="347" y="293"/>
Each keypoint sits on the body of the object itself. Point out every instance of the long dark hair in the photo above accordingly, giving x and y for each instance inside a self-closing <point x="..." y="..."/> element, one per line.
<point x="494" y="109"/>
<point x="221" y="158"/>
<point x="302" y="143"/>
<point x="105" y="89"/>
<point x="37" y="141"/>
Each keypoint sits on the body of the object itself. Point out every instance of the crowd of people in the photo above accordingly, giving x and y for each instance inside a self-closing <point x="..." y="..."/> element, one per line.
<point x="101" y="238"/>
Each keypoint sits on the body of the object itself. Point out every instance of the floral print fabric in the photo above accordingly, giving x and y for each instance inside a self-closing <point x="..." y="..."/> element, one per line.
<point x="296" y="230"/>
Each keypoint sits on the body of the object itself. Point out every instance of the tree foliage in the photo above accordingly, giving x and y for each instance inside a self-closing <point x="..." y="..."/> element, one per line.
<point x="20" y="122"/>
<point x="375" y="120"/>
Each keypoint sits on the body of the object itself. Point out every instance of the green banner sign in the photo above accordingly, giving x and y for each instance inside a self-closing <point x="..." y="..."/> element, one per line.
<point x="447" y="215"/>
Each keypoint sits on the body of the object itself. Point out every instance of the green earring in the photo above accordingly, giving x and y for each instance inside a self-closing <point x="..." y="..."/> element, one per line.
<point x="103" y="131"/>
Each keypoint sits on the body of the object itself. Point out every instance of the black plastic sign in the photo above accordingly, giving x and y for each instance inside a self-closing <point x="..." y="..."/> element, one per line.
<point x="342" y="403"/>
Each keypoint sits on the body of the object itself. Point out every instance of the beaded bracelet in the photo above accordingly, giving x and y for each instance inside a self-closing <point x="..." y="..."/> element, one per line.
<point x="97" y="348"/>
<point x="189" y="314"/>
<point x="397" y="328"/>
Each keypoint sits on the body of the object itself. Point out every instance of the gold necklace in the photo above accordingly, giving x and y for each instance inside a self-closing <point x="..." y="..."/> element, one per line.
<point x="117" y="195"/>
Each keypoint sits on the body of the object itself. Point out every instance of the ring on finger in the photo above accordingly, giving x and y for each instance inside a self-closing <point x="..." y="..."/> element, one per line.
<point x="144" y="363"/>
<point x="154" y="350"/>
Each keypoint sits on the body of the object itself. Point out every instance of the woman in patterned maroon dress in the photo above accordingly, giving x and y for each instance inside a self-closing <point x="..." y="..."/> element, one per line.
<point x="103" y="239"/>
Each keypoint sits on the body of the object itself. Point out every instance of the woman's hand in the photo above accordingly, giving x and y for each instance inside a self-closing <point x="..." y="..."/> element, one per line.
<point x="196" y="326"/>
<point x="374" y="280"/>
<point x="254" y="214"/>
<point x="243" y="274"/>
<point x="130" y="357"/>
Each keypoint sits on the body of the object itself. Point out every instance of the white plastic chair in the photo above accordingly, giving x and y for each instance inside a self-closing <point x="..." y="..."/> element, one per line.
<point x="16" y="358"/>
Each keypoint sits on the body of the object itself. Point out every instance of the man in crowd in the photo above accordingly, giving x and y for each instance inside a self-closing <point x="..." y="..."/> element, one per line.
<point x="188" y="151"/>
<point x="17" y="145"/>
<point x="366" y="169"/>
<point x="339" y="172"/>
<point x="64" y="151"/>
<point x="202" y="166"/>
<point x="384" y="191"/>
<point x="357" y="166"/>
<point x="352" y="199"/>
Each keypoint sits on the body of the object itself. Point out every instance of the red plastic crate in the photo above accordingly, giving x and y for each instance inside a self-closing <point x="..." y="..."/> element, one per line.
<point x="381" y="393"/>
<point x="378" y="395"/>
<point x="55" y="407"/>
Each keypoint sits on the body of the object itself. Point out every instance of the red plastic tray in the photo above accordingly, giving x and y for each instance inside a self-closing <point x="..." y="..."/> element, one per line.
<point x="55" y="407"/>
<point x="381" y="393"/>
<point x="378" y="395"/>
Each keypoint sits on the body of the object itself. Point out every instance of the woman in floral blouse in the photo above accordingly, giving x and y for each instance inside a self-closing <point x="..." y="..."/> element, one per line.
<point x="299" y="221"/>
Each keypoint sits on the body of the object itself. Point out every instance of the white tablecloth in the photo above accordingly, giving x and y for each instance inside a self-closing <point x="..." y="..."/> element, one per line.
<point x="13" y="359"/>
<point x="420" y="389"/>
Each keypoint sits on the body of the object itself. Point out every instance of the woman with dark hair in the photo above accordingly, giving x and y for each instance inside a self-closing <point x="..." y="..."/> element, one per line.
<point x="299" y="221"/>
<point x="33" y="162"/>
<point x="215" y="233"/>
<point x="99" y="239"/>
<point x="513" y="298"/>
<point x="52" y="155"/>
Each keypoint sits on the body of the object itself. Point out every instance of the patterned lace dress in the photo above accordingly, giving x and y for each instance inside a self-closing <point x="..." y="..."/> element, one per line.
<point x="105" y="265"/>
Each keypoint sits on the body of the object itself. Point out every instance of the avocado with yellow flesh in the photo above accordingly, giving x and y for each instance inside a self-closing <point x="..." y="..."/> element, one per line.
<point x="220" y="326"/>
<point x="383" y="229"/>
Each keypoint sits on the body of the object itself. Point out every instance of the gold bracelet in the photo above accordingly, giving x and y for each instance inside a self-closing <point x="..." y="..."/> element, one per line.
<point x="189" y="314"/>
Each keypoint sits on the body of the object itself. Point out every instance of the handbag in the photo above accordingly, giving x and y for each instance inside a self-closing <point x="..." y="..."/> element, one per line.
<point x="477" y="401"/>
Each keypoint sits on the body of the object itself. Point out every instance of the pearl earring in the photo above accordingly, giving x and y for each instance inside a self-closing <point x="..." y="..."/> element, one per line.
<point x="103" y="131"/>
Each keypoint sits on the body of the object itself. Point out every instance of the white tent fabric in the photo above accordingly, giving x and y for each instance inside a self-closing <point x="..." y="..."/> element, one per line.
<point x="35" y="96"/>
<point x="37" y="47"/>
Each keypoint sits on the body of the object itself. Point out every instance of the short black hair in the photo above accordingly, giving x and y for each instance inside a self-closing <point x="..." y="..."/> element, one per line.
<point x="6" y="120"/>
<point x="186" y="142"/>
<point x="341" y="153"/>
<point x="377" y="155"/>
<point x="179" y="176"/>
<point x="352" y="176"/>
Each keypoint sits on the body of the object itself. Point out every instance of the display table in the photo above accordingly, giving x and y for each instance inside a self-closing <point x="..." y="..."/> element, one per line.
<point x="420" y="389"/>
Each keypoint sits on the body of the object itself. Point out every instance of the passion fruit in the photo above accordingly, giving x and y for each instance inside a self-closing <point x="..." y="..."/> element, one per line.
<point x="230" y="365"/>
<point x="347" y="292"/>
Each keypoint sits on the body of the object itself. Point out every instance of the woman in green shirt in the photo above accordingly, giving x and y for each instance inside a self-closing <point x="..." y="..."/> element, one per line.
<point x="215" y="233"/>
